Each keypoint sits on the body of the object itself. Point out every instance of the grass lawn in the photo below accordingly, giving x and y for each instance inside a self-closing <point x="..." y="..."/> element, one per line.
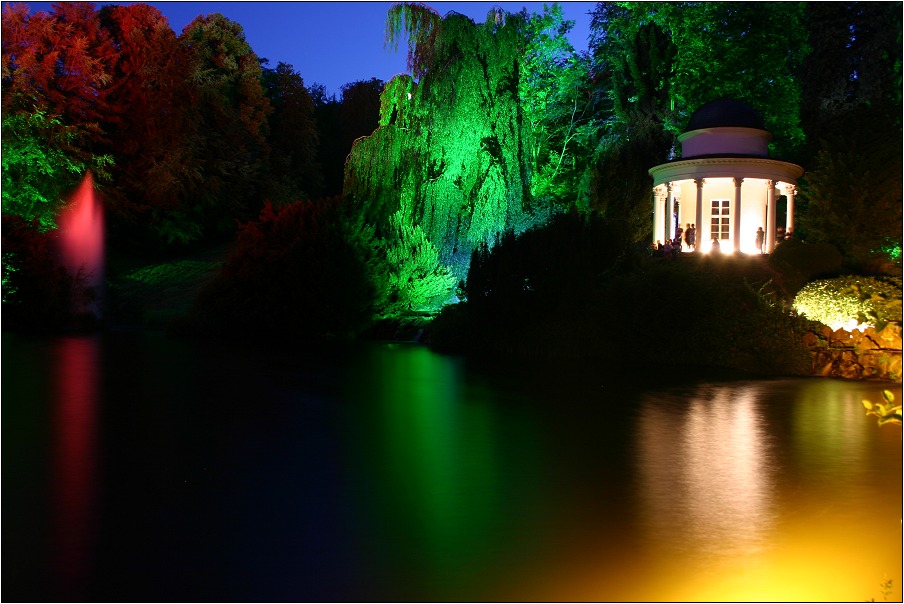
<point x="151" y="294"/>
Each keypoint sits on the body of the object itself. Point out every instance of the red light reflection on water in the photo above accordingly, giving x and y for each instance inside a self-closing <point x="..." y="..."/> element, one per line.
<point x="74" y="463"/>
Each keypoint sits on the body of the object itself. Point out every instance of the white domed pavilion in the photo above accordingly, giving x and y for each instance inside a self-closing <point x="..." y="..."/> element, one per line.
<point x="724" y="183"/>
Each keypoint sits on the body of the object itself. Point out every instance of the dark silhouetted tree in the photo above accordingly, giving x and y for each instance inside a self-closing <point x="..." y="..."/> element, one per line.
<point x="294" y="170"/>
<point x="332" y="151"/>
<point x="229" y="115"/>
<point x="360" y="108"/>
<point x="293" y="274"/>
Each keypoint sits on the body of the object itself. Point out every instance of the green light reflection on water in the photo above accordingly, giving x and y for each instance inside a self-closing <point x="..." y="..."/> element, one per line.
<point x="450" y="481"/>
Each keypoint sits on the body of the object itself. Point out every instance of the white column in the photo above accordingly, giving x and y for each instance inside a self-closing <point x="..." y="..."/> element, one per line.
<point x="657" y="215"/>
<point x="699" y="236"/>
<point x="736" y="214"/>
<point x="669" y="212"/>
<point x="790" y="192"/>
<point x="770" y="216"/>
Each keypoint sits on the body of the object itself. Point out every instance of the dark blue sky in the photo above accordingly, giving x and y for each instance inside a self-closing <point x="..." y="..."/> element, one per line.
<point x="333" y="43"/>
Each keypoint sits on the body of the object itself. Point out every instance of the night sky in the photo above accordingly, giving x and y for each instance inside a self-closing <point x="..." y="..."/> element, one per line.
<point x="334" y="43"/>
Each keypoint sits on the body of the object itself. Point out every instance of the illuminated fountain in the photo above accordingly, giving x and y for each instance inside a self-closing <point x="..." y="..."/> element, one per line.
<point x="81" y="249"/>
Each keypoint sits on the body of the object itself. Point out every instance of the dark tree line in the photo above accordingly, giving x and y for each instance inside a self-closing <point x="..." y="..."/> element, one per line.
<point x="186" y="133"/>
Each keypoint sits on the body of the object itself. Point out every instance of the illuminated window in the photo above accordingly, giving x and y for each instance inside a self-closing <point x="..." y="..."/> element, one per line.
<point x="719" y="219"/>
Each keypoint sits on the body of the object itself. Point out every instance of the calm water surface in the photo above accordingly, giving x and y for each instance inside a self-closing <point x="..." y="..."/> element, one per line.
<point x="137" y="468"/>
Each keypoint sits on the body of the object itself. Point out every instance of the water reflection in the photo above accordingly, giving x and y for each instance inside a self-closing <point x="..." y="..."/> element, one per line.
<point x="75" y="461"/>
<point x="395" y="474"/>
<point x="705" y="468"/>
<point x="830" y="430"/>
<point x="443" y="481"/>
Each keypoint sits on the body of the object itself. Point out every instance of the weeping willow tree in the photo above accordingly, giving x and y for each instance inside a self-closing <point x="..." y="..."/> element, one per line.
<point x="453" y="150"/>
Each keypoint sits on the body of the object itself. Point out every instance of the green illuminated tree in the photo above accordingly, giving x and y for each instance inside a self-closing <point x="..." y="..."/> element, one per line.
<point x="37" y="169"/>
<point x="457" y="151"/>
<point x="421" y="24"/>
<point x="561" y="106"/>
<point x="745" y="50"/>
<point x="416" y="280"/>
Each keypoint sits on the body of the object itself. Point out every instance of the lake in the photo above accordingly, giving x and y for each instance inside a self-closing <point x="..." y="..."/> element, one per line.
<point x="141" y="468"/>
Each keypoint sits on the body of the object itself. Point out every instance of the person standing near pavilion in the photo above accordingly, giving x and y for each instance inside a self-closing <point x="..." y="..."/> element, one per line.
<point x="760" y="239"/>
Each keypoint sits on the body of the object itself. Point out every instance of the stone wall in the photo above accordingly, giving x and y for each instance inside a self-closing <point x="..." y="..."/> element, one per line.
<point x="856" y="355"/>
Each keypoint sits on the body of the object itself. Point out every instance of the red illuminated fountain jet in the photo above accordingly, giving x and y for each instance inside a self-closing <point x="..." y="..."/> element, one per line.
<point x="81" y="250"/>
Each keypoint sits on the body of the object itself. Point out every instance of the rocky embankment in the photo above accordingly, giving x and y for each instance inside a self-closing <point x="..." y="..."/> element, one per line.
<point x="856" y="355"/>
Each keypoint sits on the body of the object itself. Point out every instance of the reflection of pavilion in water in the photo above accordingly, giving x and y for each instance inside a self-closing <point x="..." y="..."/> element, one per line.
<point x="706" y="472"/>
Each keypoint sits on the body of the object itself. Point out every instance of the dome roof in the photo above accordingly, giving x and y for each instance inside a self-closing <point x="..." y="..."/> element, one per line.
<point x="725" y="113"/>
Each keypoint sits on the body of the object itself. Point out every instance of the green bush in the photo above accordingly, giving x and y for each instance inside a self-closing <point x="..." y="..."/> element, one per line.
<point x="839" y="302"/>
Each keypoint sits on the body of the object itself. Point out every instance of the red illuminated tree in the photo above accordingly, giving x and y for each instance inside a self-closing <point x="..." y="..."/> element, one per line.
<point x="58" y="62"/>
<point x="153" y="137"/>
<point x="55" y="80"/>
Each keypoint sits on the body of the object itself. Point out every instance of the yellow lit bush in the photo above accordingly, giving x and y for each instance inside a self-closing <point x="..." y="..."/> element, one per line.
<point x="851" y="302"/>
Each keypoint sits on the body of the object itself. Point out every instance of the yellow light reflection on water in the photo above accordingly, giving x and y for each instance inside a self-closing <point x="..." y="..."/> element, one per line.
<point x="728" y="511"/>
<point x="706" y="475"/>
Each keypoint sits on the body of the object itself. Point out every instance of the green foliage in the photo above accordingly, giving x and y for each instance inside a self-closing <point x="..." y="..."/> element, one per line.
<point x="453" y="151"/>
<point x="886" y="413"/>
<point x="417" y="281"/>
<point x="561" y="106"/>
<point x="847" y="301"/>
<point x="420" y="23"/>
<point x="748" y="51"/>
<point x="9" y="269"/>
<point x="36" y="169"/>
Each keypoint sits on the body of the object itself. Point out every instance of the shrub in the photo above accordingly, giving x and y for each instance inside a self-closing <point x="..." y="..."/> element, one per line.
<point x="416" y="279"/>
<point x="293" y="274"/>
<point x="851" y="301"/>
<point x="563" y="291"/>
<point x="798" y="262"/>
<point x="36" y="290"/>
